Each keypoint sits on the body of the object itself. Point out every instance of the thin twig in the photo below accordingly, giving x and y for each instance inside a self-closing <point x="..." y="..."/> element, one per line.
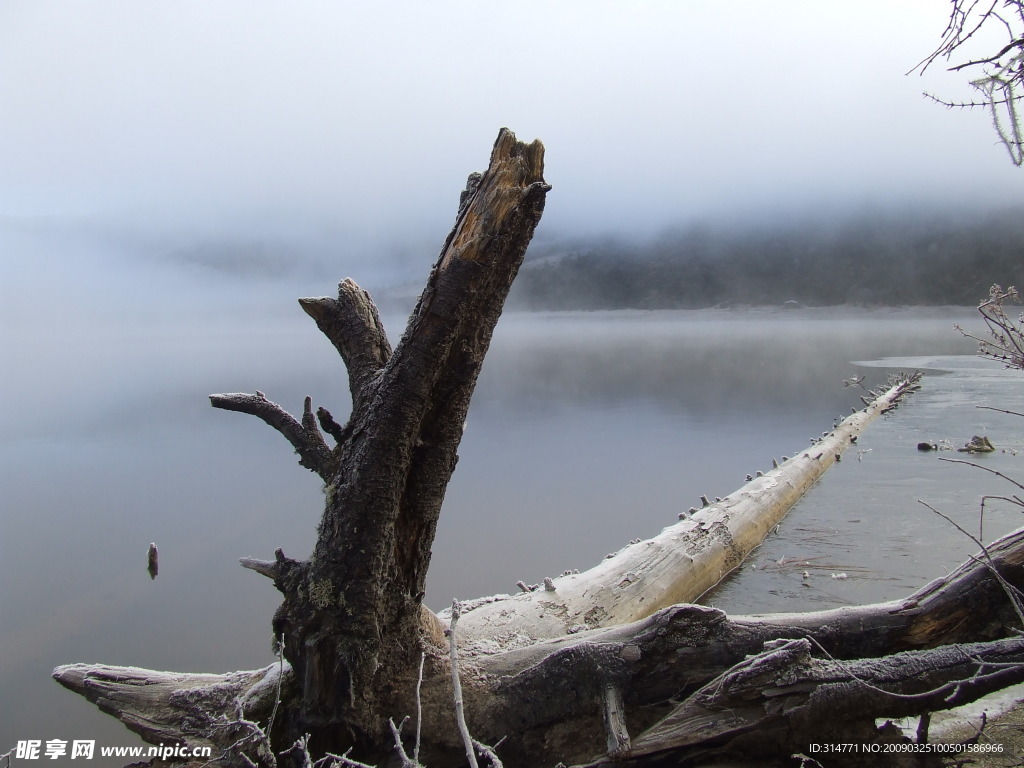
<point x="1011" y="592"/>
<point x="1000" y="410"/>
<point x="419" y="710"/>
<point x="280" y="683"/>
<point x="460" y="715"/>
<point x="995" y="472"/>
<point x="396" y="733"/>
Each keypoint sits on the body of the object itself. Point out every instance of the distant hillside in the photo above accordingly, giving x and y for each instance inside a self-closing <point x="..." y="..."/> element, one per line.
<point x="878" y="259"/>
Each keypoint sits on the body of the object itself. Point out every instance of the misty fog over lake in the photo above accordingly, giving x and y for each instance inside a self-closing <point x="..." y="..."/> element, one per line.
<point x="174" y="175"/>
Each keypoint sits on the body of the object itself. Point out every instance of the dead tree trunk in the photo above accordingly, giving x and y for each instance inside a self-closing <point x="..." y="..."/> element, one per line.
<point x="352" y="618"/>
<point x="568" y="671"/>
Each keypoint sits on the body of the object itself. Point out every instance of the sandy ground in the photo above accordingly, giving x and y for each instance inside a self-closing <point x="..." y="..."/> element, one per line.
<point x="1004" y="728"/>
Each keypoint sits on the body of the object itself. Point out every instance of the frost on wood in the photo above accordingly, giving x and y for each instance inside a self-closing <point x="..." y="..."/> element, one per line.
<point x="197" y="710"/>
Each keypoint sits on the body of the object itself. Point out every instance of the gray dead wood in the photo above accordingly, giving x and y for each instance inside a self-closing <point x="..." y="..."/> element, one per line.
<point x="223" y="712"/>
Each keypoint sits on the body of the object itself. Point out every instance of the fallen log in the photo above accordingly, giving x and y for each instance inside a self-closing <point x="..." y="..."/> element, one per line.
<point x="682" y="562"/>
<point x="786" y="698"/>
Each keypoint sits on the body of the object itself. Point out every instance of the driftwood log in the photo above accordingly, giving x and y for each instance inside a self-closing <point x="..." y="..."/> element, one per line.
<point x="610" y="664"/>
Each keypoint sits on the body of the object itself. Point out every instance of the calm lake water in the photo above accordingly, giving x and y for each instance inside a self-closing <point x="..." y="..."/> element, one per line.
<point x="588" y="430"/>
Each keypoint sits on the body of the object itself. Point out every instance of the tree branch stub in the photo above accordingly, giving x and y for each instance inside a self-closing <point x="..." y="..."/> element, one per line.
<point x="352" y="324"/>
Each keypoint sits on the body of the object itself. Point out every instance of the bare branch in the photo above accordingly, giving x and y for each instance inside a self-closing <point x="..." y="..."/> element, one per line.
<point x="419" y="710"/>
<point x="1002" y="77"/>
<point x="396" y="733"/>
<point x="976" y="62"/>
<point x="307" y="442"/>
<point x="1012" y="593"/>
<point x="999" y="410"/>
<point x="329" y="425"/>
<point x="995" y="472"/>
<point x="266" y="568"/>
<point x="279" y="649"/>
<point x="489" y="752"/>
<point x="965" y="104"/>
<point x="471" y="745"/>
<point x="460" y="715"/>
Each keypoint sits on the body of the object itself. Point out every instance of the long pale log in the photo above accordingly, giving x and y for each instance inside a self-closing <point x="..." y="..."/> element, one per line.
<point x="682" y="562"/>
<point x="968" y="604"/>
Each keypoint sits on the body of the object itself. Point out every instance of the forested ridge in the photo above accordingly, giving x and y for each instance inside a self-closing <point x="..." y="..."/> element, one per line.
<point x="871" y="260"/>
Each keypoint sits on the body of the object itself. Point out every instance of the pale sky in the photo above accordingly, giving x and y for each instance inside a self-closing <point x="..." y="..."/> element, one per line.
<point x="364" y="118"/>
